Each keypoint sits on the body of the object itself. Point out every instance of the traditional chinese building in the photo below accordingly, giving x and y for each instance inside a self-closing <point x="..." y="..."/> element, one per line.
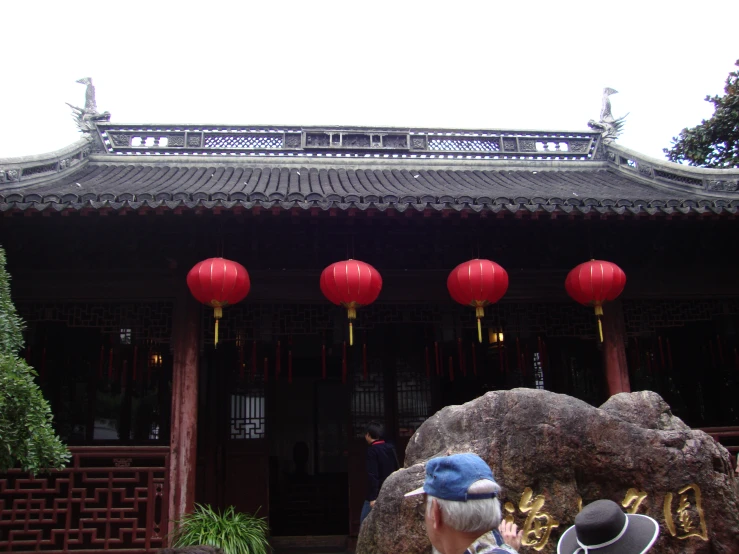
<point x="100" y="235"/>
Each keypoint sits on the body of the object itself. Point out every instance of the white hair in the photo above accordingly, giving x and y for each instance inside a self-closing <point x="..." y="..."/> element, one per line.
<point x="472" y="516"/>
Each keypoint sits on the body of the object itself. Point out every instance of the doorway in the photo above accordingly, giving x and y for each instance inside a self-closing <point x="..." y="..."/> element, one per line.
<point x="273" y="436"/>
<point x="308" y="456"/>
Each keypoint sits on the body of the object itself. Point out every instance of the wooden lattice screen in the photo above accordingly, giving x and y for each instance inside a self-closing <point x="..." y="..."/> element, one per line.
<point x="107" y="498"/>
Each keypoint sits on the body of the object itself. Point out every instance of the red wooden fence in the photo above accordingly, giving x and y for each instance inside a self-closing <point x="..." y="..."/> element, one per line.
<point x="109" y="498"/>
<point x="724" y="436"/>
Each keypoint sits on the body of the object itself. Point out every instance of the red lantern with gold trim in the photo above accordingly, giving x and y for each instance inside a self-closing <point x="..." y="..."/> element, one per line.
<point x="593" y="283"/>
<point x="351" y="284"/>
<point x="478" y="283"/>
<point x="217" y="282"/>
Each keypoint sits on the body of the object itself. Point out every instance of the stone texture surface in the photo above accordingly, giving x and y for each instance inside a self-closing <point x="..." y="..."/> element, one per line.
<point x="565" y="451"/>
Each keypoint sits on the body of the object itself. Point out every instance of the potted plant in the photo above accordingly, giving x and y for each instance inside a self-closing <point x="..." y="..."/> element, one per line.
<point x="233" y="532"/>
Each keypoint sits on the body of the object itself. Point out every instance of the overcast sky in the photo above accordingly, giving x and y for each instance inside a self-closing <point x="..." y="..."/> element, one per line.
<point x="484" y="65"/>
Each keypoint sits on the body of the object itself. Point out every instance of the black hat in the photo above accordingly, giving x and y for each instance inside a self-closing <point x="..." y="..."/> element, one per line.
<point x="603" y="528"/>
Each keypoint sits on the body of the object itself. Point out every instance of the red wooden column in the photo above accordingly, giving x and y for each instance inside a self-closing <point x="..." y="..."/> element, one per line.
<point x="183" y="441"/>
<point x="614" y="348"/>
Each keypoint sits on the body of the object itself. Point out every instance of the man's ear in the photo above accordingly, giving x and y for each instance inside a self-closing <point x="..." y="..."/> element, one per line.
<point x="436" y="514"/>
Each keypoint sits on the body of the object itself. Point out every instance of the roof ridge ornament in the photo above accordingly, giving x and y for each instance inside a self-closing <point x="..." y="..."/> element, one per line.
<point x="609" y="127"/>
<point x="86" y="118"/>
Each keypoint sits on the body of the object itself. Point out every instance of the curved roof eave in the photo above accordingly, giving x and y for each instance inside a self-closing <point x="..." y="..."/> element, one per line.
<point x="198" y="167"/>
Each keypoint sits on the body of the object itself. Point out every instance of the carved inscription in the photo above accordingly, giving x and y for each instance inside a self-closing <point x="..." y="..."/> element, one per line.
<point x="682" y="512"/>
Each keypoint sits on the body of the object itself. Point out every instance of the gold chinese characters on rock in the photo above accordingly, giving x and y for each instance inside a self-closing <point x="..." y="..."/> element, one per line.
<point x="688" y="519"/>
<point x="683" y="514"/>
<point x="538" y="525"/>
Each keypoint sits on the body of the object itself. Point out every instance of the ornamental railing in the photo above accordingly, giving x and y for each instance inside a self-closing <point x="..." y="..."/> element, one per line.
<point x="29" y="169"/>
<point x="227" y="140"/>
<point x="664" y="172"/>
<point x="107" y="499"/>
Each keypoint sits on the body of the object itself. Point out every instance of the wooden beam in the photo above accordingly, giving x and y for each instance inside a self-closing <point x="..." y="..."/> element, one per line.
<point x="614" y="349"/>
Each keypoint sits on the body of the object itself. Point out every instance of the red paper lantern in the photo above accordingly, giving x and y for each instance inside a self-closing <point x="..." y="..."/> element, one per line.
<point x="478" y="283"/>
<point x="594" y="283"/>
<point x="217" y="282"/>
<point x="351" y="284"/>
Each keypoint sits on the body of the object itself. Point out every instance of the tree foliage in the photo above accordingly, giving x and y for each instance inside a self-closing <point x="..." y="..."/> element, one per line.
<point x="27" y="439"/>
<point x="715" y="142"/>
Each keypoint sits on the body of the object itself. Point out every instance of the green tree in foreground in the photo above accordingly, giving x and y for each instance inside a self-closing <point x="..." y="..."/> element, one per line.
<point x="715" y="142"/>
<point x="27" y="439"/>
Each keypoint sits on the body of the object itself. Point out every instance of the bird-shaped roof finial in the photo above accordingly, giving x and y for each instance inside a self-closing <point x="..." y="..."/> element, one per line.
<point x="609" y="127"/>
<point x="86" y="118"/>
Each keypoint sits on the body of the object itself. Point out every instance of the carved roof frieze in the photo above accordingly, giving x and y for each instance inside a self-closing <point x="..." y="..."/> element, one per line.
<point x="345" y="142"/>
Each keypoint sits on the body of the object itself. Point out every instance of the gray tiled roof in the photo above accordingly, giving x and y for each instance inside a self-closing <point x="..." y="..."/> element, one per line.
<point x="132" y="185"/>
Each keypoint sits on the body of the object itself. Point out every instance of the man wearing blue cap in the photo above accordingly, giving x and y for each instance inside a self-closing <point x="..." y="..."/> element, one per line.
<point x="462" y="507"/>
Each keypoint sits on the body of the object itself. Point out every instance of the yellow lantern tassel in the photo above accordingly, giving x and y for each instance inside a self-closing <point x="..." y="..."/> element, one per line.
<point x="351" y="313"/>
<point x="217" y="314"/>
<point x="598" y="315"/>
<point x="479" y="312"/>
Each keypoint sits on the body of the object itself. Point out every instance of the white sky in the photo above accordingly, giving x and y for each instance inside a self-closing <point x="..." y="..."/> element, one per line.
<point x="485" y="65"/>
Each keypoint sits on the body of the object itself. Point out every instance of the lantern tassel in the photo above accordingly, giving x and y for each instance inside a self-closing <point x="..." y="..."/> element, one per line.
<point x="479" y="312"/>
<point x="217" y="314"/>
<point x="599" y="315"/>
<point x="351" y="313"/>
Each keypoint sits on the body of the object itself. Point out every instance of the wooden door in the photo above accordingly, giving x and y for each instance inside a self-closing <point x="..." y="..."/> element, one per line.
<point x="233" y="454"/>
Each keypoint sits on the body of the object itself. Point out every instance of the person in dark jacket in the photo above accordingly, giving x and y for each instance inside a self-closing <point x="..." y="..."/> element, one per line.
<point x="381" y="462"/>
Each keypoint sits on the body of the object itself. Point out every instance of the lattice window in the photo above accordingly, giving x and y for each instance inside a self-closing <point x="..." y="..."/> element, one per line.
<point x="546" y="319"/>
<point x="538" y="372"/>
<point x="100" y="502"/>
<point x="414" y="398"/>
<point x="644" y="317"/>
<point x="243" y="141"/>
<point x="368" y="397"/>
<point x="247" y="421"/>
<point x="464" y="144"/>
<point x="261" y="320"/>
<point x="150" y="321"/>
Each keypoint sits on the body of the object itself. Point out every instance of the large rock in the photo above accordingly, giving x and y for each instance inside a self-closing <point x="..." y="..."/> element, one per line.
<point x="552" y="452"/>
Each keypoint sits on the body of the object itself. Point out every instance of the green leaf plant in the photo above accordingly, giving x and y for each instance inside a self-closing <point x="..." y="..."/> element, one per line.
<point x="233" y="532"/>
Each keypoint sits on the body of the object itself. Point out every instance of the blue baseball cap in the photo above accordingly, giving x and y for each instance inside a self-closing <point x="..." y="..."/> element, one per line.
<point x="450" y="478"/>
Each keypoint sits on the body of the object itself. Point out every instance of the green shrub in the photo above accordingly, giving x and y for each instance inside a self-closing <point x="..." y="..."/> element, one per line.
<point x="232" y="531"/>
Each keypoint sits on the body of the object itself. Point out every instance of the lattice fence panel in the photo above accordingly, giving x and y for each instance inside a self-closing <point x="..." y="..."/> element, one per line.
<point x="243" y="141"/>
<point x="116" y="499"/>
